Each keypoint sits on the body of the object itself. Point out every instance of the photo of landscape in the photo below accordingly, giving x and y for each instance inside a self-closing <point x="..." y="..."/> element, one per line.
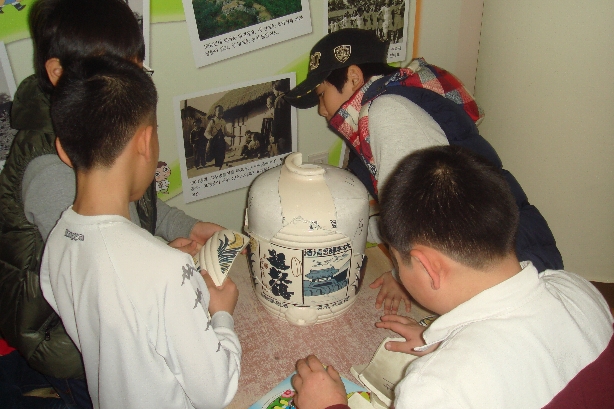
<point x="218" y="17"/>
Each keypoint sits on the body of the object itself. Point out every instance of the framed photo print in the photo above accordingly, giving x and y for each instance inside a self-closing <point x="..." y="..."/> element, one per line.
<point x="227" y="136"/>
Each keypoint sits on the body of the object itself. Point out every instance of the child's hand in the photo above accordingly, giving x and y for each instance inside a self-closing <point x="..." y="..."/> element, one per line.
<point x="408" y="329"/>
<point x="224" y="297"/>
<point x="192" y="247"/>
<point x="317" y="387"/>
<point x="202" y="231"/>
<point x="390" y="294"/>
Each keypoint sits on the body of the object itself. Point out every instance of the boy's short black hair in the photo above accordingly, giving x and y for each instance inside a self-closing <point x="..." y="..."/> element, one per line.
<point x="98" y="105"/>
<point x="450" y="199"/>
<point x="73" y="29"/>
<point x="339" y="77"/>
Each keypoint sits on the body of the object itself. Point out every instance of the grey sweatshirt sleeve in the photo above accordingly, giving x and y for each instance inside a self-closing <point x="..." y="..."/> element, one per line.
<point x="172" y="222"/>
<point x="398" y="127"/>
<point x="48" y="188"/>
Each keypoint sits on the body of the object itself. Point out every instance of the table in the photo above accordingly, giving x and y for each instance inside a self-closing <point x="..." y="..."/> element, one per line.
<point x="271" y="346"/>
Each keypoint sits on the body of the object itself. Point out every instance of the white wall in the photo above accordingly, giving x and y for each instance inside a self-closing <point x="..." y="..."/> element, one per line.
<point x="450" y="36"/>
<point x="545" y="79"/>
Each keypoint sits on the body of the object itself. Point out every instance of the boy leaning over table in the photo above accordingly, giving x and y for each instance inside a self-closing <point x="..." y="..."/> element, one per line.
<point x="384" y="113"/>
<point x="507" y="337"/>
<point x="136" y="308"/>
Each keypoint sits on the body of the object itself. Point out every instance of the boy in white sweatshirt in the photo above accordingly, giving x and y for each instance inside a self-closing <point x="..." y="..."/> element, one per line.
<point x="153" y="332"/>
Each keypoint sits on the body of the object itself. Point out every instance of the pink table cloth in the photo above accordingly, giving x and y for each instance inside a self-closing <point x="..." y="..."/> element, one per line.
<point x="271" y="346"/>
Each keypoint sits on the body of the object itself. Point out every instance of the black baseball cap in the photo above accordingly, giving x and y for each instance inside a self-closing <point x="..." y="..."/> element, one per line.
<point x="336" y="50"/>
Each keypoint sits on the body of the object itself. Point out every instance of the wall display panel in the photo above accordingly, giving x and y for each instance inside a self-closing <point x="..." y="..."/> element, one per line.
<point x="220" y="29"/>
<point x="142" y="12"/>
<point x="227" y="136"/>
<point x="14" y="20"/>
<point x="392" y="20"/>
<point x="7" y="93"/>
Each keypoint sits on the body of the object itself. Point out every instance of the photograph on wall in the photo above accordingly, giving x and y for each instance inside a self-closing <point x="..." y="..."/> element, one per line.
<point x="228" y="136"/>
<point x="392" y="20"/>
<point x="221" y="29"/>
<point x="7" y="92"/>
<point x="141" y="10"/>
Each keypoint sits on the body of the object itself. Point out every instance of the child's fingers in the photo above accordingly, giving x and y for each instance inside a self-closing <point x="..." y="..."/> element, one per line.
<point x="207" y="278"/>
<point x="398" y="346"/>
<point x="381" y="297"/>
<point x="333" y="373"/>
<point x="397" y="318"/>
<point x="314" y="363"/>
<point x="407" y="302"/>
<point x="378" y="282"/>
<point x="297" y="381"/>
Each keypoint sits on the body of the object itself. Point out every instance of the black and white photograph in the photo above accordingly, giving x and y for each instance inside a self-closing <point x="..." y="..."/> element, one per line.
<point x="226" y="137"/>
<point x="142" y="12"/>
<point x="7" y="91"/>
<point x="221" y="29"/>
<point x="392" y="20"/>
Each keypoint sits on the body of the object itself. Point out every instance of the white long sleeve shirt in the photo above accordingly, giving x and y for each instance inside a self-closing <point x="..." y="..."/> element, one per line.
<point x="515" y="345"/>
<point x="137" y="310"/>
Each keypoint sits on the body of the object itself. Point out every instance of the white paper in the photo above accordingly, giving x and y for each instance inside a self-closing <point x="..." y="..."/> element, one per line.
<point x="385" y="371"/>
<point x="357" y="401"/>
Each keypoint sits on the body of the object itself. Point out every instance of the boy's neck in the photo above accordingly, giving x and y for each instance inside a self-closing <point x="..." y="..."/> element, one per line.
<point x="102" y="192"/>
<point x="468" y="282"/>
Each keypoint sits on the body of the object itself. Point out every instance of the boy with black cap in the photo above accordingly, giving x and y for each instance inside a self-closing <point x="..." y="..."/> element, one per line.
<point x="507" y="337"/>
<point x="385" y="113"/>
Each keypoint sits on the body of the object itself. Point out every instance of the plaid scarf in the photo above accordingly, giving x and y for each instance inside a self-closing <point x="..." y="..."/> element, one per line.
<point x="352" y="119"/>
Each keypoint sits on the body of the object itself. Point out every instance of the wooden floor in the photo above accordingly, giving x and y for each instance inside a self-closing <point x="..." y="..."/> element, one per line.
<point x="607" y="289"/>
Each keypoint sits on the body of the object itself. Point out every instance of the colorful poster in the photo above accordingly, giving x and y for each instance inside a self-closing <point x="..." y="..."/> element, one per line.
<point x="222" y="29"/>
<point x="281" y="395"/>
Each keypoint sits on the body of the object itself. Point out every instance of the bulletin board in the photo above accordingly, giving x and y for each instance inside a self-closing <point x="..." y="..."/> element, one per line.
<point x="176" y="168"/>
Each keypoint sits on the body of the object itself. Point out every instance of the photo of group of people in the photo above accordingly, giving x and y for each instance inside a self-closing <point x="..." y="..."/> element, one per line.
<point x="236" y="127"/>
<point x="388" y="18"/>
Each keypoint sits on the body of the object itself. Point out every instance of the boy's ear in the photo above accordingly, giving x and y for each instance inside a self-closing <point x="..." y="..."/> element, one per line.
<point x="61" y="153"/>
<point x="355" y="77"/>
<point x="143" y="141"/>
<point x="431" y="263"/>
<point x="54" y="70"/>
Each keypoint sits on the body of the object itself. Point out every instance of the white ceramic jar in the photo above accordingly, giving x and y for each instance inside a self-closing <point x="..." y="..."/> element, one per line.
<point x="308" y="226"/>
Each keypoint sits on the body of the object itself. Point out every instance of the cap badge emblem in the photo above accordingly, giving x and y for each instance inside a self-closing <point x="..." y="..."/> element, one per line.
<point x="342" y="52"/>
<point x="314" y="61"/>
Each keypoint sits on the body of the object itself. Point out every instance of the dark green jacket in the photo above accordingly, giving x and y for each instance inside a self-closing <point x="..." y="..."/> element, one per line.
<point x="27" y="322"/>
